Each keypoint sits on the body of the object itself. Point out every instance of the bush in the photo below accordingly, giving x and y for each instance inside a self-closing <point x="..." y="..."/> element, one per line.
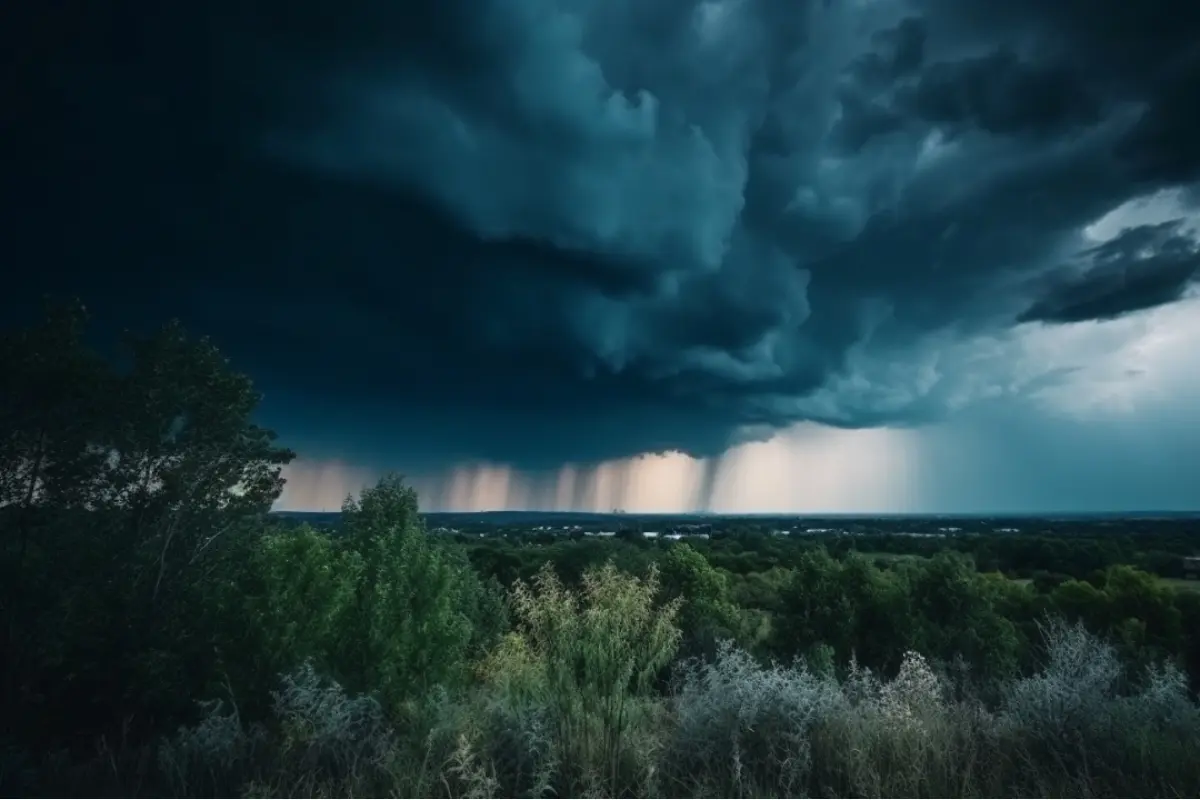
<point x="1081" y="720"/>
<point x="319" y="741"/>
<point x="744" y="730"/>
<point x="585" y="661"/>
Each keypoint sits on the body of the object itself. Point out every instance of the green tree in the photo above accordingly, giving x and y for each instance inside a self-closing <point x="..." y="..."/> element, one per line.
<point x="290" y="606"/>
<point x="817" y="609"/>
<point x="138" y="480"/>
<point x="761" y="590"/>
<point x="708" y="613"/>
<point x="958" y="617"/>
<point x="50" y="385"/>
<point x="186" y="473"/>
<point x="884" y="621"/>
<point x="1133" y="608"/>
<point x="1188" y="603"/>
<point x="419" y="611"/>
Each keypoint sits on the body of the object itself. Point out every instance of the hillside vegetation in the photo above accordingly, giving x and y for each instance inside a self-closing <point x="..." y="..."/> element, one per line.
<point x="164" y="637"/>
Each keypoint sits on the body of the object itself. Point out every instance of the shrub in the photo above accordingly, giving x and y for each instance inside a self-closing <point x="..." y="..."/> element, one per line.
<point x="1079" y="724"/>
<point x="744" y="730"/>
<point x="319" y="741"/>
<point x="585" y="661"/>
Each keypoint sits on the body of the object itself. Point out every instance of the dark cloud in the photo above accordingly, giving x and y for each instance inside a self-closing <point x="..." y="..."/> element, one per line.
<point x="999" y="91"/>
<point x="1163" y="143"/>
<point x="899" y="51"/>
<point x="863" y="119"/>
<point x="1000" y="94"/>
<point x="541" y="231"/>
<point x="1143" y="267"/>
<point x="1142" y="54"/>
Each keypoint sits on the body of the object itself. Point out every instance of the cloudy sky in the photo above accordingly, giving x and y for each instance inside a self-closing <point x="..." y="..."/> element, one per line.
<point x="735" y="255"/>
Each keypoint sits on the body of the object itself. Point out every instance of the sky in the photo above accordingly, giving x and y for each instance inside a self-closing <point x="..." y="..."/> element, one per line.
<point x="655" y="255"/>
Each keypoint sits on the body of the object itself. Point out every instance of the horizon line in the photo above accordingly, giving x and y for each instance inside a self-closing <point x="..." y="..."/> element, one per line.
<point x="796" y="514"/>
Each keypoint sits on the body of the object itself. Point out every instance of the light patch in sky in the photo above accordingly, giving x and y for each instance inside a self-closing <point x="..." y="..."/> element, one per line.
<point x="1135" y="364"/>
<point x="812" y="468"/>
<point x="808" y="468"/>
<point x="934" y="148"/>
<point x="1153" y="209"/>
<point x="711" y="16"/>
<point x="321" y="485"/>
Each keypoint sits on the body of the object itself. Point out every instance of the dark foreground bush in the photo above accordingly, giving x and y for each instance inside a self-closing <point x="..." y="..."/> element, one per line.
<point x="730" y="728"/>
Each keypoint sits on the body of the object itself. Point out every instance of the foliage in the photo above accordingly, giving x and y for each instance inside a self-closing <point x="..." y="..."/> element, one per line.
<point x="317" y="741"/>
<point x="163" y="636"/>
<point x="708" y="614"/>
<point x="741" y="729"/>
<point x="418" y="607"/>
<point x="1080" y="713"/>
<point x="285" y="607"/>
<point x="124" y="489"/>
<point x="589" y="657"/>
<point x="383" y="607"/>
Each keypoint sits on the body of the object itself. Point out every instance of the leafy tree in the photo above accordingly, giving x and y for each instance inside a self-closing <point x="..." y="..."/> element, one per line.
<point x="708" y="613"/>
<point x="1188" y="604"/>
<point x="760" y="590"/>
<point x="958" y="618"/>
<point x="185" y="464"/>
<point x="50" y="383"/>
<point x="289" y="608"/>
<point x="419" y="611"/>
<point x="1135" y="609"/>
<point x="816" y="609"/>
<point x="135" y="479"/>
<point x="885" y="625"/>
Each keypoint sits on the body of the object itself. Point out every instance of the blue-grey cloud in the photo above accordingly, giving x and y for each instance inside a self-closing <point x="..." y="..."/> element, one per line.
<point x="1143" y="267"/>
<point x="542" y="231"/>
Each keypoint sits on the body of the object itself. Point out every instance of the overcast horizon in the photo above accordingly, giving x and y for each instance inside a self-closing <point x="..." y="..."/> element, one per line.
<point x="737" y="256"/>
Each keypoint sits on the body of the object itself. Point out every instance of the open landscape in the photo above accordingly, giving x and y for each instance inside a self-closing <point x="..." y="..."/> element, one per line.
<point x="166" y="634"/>
<point x="600" y="398"/>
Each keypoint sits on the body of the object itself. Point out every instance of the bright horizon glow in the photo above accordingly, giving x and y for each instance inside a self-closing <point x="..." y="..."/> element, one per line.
<point x="805" y="469"/>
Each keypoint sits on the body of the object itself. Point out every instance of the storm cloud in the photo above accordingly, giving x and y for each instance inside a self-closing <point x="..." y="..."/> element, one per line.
<point x="1143" y="267"/>
<point x="566" y="231"/>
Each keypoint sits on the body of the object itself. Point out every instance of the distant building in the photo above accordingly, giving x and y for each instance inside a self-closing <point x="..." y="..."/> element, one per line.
<point x="1191" y="566"/>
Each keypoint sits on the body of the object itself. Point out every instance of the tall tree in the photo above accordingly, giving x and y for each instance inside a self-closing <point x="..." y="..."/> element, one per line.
<point x="49" y="387"/>
<point x="120" y="486"/>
